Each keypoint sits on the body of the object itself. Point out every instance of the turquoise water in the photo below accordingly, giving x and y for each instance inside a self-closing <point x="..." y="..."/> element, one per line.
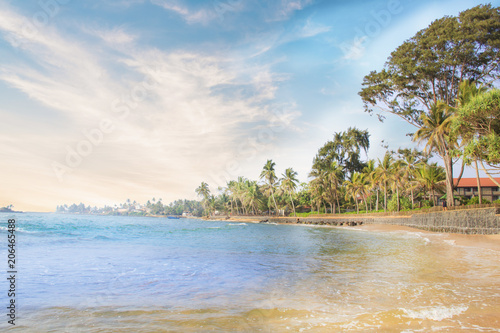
<point x="103" y="273"/>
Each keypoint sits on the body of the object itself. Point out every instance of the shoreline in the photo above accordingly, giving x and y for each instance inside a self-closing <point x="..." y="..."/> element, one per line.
<point x="488" y="242"/>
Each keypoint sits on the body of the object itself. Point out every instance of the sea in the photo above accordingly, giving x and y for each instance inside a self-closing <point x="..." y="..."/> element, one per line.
<point x="85" y="273"/>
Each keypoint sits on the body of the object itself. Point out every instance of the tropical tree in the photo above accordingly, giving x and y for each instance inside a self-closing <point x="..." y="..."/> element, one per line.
<point x="436" y="131"/>
<point x="289" y="183"/>
<point x="468" y="91"/>
<point x="345" y="149"/>
<point x="409" y="162"/>
<point x="252" y="196"/>
<point x="430" y="66"/>
<point x="202" y="191"/>
<point x="357" y="187"/>
<point x="269" y="175"/>
<point x="478" y="123"/>
<point x="431" y="178"/>
<point x="383" y="174"/>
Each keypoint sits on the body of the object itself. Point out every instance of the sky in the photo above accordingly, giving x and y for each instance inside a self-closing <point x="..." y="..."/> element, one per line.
<point x="103" y="101"/>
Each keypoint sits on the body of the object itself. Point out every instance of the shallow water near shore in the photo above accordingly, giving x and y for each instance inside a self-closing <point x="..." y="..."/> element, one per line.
<point x="115" y="274"/>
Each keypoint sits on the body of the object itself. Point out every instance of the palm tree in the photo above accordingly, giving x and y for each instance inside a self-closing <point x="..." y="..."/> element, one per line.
<point x="409" y="164"/>
<point x="431" y="178"/>
<point x="372" y="183"/>
<point x="202" y="191"/>
<point x="252" y="195"/>
<point x="383" y="174"/>
<point x="397" y="180"/>
<point x="357" y="187"/>
<point x="436" y="130"/>
<point x="289" y="184"/>
<point x="467" y="91"/>
<point x="269" y="175"/>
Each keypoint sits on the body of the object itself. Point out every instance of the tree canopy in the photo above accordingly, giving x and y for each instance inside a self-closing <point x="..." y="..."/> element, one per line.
<point x="345" y="149"/>
<point x="430" y="66"/>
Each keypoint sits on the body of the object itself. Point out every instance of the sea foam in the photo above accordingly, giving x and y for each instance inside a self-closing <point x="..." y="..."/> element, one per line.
<point x="437" y="313"/>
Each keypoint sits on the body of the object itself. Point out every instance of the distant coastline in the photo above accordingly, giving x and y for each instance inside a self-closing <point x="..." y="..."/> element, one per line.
<point x="8" y="210"/>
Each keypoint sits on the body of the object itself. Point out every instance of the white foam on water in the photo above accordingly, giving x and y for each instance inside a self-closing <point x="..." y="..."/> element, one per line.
<point x="19" y="230"/>
<point x="449" y="241"/>
<point x="437" y="313"/>
<point x="237" y="224"/>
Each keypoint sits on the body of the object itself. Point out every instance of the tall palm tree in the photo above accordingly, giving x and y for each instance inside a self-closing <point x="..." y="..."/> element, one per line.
<point x="409" y="164"/>
<point x="384" y="173"/>
<point x="467" y="91"/>
<point x="289" y="184"/>
<point x="204" y="192"/>
<point x="436" y="130"/>
<point x="372" y="183"/>
<point x="269" y="175"/>
<point x="397" y="180"/>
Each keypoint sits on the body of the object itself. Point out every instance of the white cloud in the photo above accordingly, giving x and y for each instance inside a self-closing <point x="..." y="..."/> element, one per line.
<point x="176" y="129"/>
<point x="115" y="36"/>
<point x="202" y="16"/>
<point x="312" y="29"/>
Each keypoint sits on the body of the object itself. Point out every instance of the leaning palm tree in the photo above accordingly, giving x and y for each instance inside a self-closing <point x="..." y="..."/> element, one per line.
<point x="289" y="184"/>
<point x="436" y="131"/>
<point x="269" y="175"/>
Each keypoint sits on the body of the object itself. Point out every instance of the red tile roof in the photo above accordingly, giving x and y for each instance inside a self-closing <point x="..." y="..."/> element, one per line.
<point x="471" y="182"/>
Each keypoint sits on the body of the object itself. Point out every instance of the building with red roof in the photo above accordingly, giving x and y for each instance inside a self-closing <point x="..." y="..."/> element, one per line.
<point x="467" y="187"/>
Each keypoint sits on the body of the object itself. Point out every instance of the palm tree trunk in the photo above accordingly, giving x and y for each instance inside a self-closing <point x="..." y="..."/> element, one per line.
<point x="385" y="196"/>
<point x="478" y="182"/>
<point x="448" y="163"/>
<point x="412" y="201"/>
<point x="376" y="203"/>
<point x="397" y="196"/>
<point x="489" y="175"/>
<point x="293" y="206"/>
<point x="275" y="205"/>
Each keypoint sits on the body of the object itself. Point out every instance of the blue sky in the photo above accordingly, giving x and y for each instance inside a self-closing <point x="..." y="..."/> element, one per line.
<point x="104" y="101"/>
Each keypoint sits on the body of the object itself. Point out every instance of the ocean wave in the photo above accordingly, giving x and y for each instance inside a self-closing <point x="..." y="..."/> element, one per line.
<point x="437" y="313"/>
<point x="237" y="224"/>
<point x="20" y="230"/>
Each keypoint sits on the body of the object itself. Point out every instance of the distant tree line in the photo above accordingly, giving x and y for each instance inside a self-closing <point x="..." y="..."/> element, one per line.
<point x="133" y="208"/>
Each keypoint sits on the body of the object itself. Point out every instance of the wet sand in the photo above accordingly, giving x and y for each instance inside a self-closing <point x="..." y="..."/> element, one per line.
<point x="490" y="242"/>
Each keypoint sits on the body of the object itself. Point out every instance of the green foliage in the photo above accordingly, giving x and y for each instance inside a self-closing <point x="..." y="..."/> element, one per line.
<point x="429" y="66"/>
<point x="478" y="122"/>
<point x="427" y="203"/>
<point x="345" y="149"/>
<point x="475" y="201"/>
<point x="404" y="204"/>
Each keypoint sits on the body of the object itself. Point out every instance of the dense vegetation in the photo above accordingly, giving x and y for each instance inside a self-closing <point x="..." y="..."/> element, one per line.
<point x="132" y="208"/>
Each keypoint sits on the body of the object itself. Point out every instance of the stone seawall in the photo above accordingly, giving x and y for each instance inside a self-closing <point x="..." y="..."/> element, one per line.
<point x="483" y="221"/>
